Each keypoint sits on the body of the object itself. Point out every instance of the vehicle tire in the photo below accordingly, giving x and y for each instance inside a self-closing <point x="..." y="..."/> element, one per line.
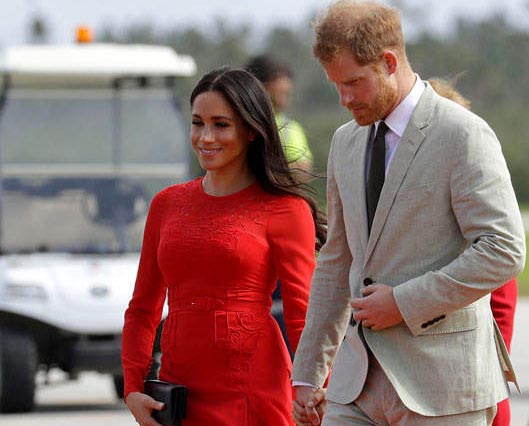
<point x="18" y="367"/>
<point x="119" y="385"/>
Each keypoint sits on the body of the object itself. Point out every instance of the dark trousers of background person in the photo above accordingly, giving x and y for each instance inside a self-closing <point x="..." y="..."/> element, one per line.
<point x="277" y="312"/>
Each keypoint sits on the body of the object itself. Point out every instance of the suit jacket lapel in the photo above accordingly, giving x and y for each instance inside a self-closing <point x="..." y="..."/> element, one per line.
<point x="403" y="157"/>
<point x="355" y="180"/>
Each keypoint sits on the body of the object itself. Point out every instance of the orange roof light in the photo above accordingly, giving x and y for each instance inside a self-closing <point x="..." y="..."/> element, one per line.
<point x="84" y="34"/>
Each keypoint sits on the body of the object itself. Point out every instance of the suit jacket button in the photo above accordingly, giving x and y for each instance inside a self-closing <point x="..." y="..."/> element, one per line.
<point x="368" y="281"/>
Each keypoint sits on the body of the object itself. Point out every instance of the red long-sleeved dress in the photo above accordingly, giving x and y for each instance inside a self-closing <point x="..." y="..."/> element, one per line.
<point x="218" y="259"/>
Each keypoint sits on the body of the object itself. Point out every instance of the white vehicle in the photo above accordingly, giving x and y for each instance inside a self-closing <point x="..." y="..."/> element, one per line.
<point x="88" y="134"/>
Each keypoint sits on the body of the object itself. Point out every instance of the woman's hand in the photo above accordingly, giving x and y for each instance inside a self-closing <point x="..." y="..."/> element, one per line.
<point x="141" y="406"/>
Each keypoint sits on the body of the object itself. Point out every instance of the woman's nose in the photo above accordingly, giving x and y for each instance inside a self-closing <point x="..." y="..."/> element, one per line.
<point x="207" y="134"/>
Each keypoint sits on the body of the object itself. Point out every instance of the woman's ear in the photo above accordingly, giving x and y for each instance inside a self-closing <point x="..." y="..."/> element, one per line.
<point x="252" y="134"/>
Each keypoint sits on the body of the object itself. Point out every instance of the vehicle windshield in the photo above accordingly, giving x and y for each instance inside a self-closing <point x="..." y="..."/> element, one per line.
<point x="79" y="167"/>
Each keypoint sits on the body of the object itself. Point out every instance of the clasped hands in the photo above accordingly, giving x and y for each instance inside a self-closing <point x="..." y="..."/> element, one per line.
<point x="309" y="407"/>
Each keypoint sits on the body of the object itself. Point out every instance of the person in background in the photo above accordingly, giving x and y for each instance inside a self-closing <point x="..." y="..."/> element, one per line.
<point x="502" y="300"/>
<point x="423" y="225"/>
<point x="278" y="79"/>
<point x="215" y="248"/>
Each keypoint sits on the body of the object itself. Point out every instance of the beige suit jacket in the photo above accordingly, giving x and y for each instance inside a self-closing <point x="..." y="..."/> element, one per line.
<point x="447" y="232"/>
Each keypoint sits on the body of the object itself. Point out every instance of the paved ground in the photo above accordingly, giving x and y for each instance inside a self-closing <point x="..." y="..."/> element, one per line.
<point x="87" y="402"/>
<point x="520" y="359"/>
<point x="520" y="356"/>
<point x="525" y="218"/>
<point x="91" y="401"/>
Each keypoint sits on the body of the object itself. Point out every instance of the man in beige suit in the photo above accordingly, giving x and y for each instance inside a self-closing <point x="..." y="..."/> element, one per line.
<point x="399" y="304"/>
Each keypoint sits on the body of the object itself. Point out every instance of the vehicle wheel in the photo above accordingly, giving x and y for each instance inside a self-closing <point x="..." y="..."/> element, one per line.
<point x="18" y="367"/>
<point x="119" y="386"/>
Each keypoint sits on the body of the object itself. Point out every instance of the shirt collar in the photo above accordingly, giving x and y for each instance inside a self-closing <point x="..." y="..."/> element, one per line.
<point x="398" y="119"/>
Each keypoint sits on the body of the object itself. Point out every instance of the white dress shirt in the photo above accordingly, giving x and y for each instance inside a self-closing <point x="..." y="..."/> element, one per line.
<point x="398" y="119"/>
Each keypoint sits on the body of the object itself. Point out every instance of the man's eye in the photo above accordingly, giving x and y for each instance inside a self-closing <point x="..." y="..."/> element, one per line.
<point x="196" y="123"/>
<point x="222" y="124"/>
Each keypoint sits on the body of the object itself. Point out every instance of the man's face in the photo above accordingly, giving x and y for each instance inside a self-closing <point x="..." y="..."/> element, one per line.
<point x="368" y="91"/>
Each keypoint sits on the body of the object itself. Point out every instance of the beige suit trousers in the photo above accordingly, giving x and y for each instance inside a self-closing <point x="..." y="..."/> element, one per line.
<point x="378" y="404"/>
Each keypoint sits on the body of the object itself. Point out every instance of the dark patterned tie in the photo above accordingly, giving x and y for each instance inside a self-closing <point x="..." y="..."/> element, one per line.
<point x="375" y="180"/>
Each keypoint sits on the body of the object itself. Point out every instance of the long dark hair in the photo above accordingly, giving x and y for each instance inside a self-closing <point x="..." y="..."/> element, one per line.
<point x="266" y="158"/>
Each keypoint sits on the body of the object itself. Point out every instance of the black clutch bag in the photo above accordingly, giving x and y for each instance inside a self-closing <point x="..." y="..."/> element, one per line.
<point x="173" y="396"/>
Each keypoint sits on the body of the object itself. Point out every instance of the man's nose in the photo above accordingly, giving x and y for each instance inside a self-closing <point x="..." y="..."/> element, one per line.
<point x="345" y="96"/>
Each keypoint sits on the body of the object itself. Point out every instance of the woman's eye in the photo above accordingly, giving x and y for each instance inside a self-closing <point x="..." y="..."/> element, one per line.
<point x="196" y="123"/>
<point x="221" y="124"/>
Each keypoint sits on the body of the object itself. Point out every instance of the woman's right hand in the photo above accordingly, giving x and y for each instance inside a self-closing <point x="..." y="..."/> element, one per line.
<point x="141" y="406"/>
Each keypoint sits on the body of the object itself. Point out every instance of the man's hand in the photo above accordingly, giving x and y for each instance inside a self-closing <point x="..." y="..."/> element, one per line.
<point x="141" y="406"/>
<point x="309" y="406"/>
<point x="378" y="309"/>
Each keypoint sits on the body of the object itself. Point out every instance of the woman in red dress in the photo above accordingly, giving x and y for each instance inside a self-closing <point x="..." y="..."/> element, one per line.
<point x="216" y="246"/>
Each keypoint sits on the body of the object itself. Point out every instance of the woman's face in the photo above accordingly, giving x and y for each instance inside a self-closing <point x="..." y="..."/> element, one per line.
<point x="219" y="136"/>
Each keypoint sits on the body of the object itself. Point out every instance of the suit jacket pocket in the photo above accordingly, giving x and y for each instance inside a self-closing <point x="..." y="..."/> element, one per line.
<point x="463" y="320"/>
<point x="416" y="194"/>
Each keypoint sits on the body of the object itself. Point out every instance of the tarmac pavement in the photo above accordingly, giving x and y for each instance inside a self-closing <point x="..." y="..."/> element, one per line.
<point x="520" y="360"/>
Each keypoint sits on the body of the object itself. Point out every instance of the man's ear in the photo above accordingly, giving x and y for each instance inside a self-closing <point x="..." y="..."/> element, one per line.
<point x="390" y="61"/>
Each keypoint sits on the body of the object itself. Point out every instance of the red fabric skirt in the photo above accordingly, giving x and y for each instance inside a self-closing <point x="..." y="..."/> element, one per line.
<point x="235" y="364"/>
